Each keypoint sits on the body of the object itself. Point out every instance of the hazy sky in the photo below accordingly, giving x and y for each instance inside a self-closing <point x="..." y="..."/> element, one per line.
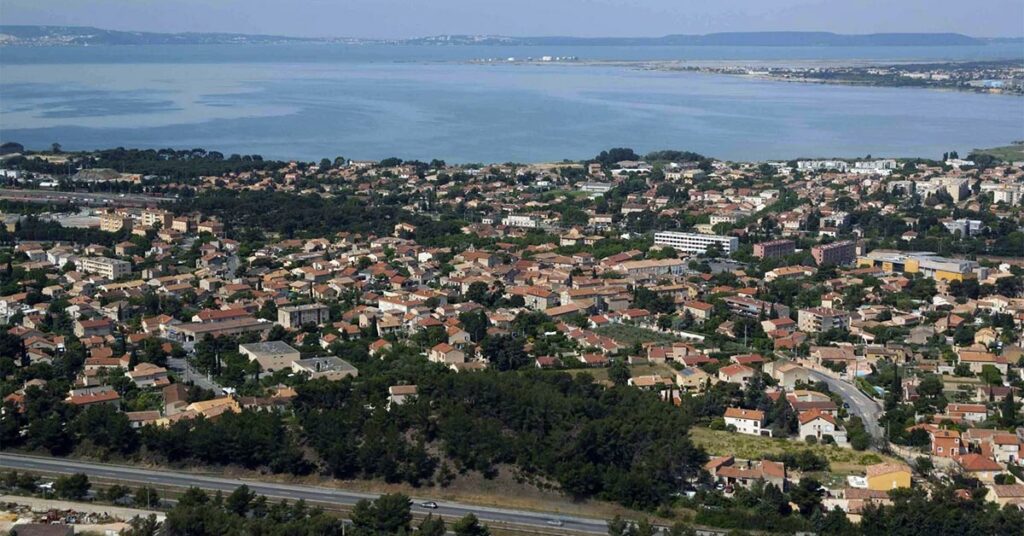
<point x="410" y="18"/>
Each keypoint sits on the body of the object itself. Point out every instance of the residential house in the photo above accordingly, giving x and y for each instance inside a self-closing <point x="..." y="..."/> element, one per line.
<point x="887" y="476"/>
<point x="446" y="353"/>
<point x="746" y="421"/>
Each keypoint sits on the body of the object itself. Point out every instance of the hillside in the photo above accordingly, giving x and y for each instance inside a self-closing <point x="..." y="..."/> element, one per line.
<point x="85" y="35"/>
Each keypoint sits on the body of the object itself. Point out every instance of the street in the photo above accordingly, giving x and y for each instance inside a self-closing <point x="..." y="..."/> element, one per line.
<point x="137" y="475"/>
<point x="87" y="198"/>
<point x="190" y="374"/>
<point x="860" y="404"/>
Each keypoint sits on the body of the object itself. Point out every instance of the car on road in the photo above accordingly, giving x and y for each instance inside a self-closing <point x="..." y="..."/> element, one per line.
<point x="429" y="504"/>
<point x="555" y="522"/>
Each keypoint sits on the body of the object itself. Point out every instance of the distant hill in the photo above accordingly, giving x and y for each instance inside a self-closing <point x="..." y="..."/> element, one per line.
<point x="85" y="35"/>
<point x="787" y="39"/>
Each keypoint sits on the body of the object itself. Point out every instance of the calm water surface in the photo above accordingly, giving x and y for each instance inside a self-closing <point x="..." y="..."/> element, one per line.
<point x="314" y="101"/>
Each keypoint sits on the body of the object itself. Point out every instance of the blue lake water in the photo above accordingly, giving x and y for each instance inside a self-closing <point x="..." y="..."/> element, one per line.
<point x="423" y="102"/>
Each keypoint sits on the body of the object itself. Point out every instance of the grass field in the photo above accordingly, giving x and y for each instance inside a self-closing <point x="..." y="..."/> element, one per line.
<point x="722" y="443"/>
<point x="601" y="374"/>
<point x="626" y="334"/>
<point x="1007" y="153"/>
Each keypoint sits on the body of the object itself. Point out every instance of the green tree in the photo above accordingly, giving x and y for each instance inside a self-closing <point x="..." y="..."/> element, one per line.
<point x="506" y="352"/>
<point x="470" y="526"/>
<point x="74" y="487"/>
<point x="146" y="497"/>
<point x="990" y="375"/>
<point x="240" y="500"/>
<point x="389" y="514"/>
<point x="431" y="526"/>
<point x="619" y="373"/>
<point x="475" y="323"/>
<point x="478" y="292"/>
<point x="1008" y="411"/>
<point x="116" y="493"/>
<point x="807" y="496"/>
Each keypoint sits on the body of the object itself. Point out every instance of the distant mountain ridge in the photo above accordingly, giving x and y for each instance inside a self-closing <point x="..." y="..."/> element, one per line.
<point x="722" y="39"/>
<point x="85" y="35"/>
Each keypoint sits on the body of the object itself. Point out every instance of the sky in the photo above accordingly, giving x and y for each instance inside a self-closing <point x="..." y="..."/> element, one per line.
<point x="414" y="18"/>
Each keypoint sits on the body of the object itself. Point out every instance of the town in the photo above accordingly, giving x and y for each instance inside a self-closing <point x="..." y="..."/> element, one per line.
<point x="1002" y="77"/>
<point x="810" y="345"/>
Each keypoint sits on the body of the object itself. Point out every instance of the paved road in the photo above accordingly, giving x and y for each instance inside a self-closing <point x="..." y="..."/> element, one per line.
<point x="861" y="404"/>
<point x="88" y="198"/>
<point x="134" y="475"/>
<point x="188" y="373"/>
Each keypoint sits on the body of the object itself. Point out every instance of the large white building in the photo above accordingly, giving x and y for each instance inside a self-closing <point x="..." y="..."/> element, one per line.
<point x="105" y="266"/>
<point x="822" y="165"/>
<point x="875" y="167"/>
<point x="696" y="243"/>
<point x="518" y="220"/>
<point x="595" y="189"/>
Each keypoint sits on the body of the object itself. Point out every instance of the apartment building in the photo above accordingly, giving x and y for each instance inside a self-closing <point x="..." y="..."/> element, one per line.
<point x="105" y="266"/>
<point x="695" y="243"/>
<point x="957" y="188"/>
<point x="535" y="297"/>
<point x="153" y="217"/>
<point x="819" y="319"/>
<point x="519" y="220"/>
<point x="113" y="222"/>
<point x="843" y="252"/>
<point x="822" y="165"/>
<point x="651" y="269"/>
<point x="182" y="224"/>
<point x="774" y="248"/>
<point x="215" y="228"/>
<point x="595" y="189"/>
<point x="727" y="217"/>
<point x="746" y="306"/>
<point x="295" y="316"/>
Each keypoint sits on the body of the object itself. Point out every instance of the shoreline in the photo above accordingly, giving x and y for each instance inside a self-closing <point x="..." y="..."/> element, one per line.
<point x="792" y="70"/>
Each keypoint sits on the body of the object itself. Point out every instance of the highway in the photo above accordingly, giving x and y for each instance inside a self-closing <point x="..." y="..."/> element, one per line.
<point x="860" y="404"/>
<point x="126" y="474"/>
<point x="84" y="198"/>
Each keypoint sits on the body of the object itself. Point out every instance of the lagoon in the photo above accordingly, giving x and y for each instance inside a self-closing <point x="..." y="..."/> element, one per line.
<point x="422" y="102"/>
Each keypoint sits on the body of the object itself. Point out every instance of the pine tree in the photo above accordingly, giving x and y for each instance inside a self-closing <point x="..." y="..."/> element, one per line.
<point x="1008" y="411"/>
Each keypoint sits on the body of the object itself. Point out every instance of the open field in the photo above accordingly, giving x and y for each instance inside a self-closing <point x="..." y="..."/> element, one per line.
<point x="722" y="443"/>
<point x="627" y="334"/>
<point x="601" y="374"/>
<point x="1006" y="153"/>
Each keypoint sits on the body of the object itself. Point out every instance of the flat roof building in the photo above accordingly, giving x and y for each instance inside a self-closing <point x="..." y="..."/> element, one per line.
<point x="329" y="367"/>
<point x="843" y="252"/>
<point x="819" y="319"/>
<point x="295" y="316"/>
<point x="928" y="264"/>
<point x="105" y="266"/>
<point x="271" y="355"/>
<point x="696" y="243"/>
<point x="774" y="248"/>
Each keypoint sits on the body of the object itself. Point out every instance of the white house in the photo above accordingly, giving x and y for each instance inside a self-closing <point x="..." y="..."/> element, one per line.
<point x="746" y="421"/>
<point x="818" y="425"/>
